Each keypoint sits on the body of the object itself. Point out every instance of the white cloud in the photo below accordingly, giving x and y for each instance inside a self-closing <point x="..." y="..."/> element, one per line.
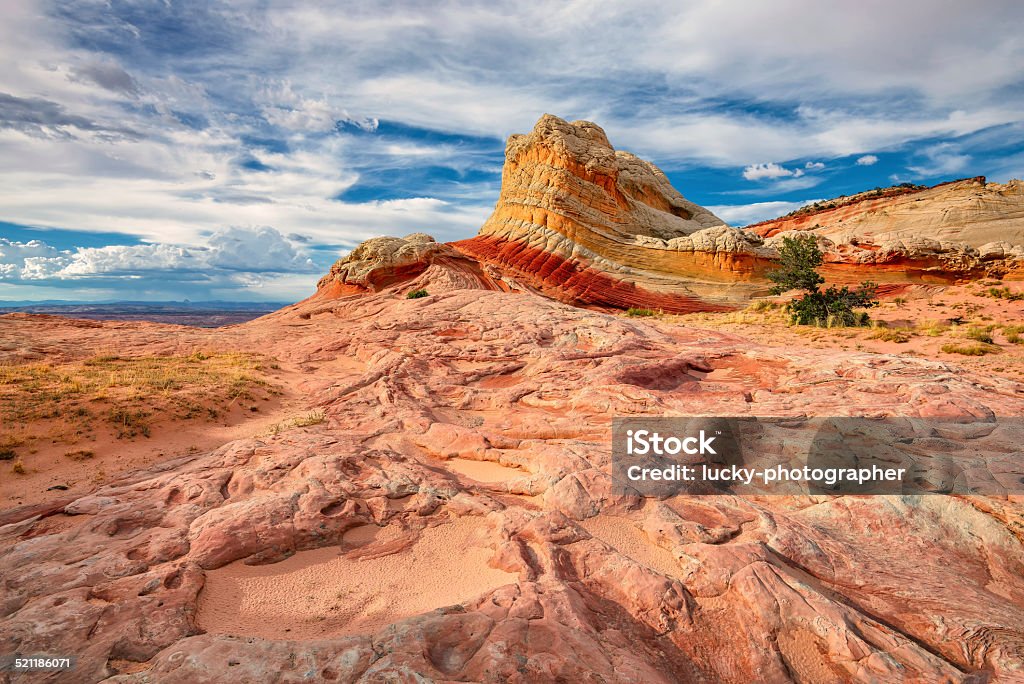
<point x="770" y="170"/>
<point x="773" y="171"/>
<point x="940" y="160"/>
<point x="15" y="252"/>
<point x="867" y="160"/>
<point x="745" y="214"/>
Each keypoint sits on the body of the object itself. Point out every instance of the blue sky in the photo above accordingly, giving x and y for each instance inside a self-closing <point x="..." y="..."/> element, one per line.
<point x="157" y="149"/>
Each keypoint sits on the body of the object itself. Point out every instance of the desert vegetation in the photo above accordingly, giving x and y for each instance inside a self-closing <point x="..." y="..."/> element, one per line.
<point x="67" y="402"/>
<point x="960" y="323"/>
<point x="305" y="420"/>
<point x="1004" y="293"/>
<point x="417" y="294"/>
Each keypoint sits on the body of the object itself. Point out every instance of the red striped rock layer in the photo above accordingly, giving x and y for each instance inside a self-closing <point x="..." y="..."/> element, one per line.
<point x="407" y="263"/>
<point x="580" y="282"/>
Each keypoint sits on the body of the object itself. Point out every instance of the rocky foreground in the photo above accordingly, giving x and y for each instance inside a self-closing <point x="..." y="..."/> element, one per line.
<point x="419" y="398"/>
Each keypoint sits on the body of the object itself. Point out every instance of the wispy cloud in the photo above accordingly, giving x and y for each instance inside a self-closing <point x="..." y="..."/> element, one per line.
<point x="941" y="159"/>
<point x="867" y="160"/>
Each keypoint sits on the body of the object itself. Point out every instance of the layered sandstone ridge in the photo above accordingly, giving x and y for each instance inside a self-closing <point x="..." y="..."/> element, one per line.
<point x="966" y="228"/>
<point x="583" y="222"/>
<point x="409" y="262"/>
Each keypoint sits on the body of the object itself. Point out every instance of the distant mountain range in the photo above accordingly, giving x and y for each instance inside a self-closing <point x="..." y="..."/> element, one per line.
<point x="209" y="314"/>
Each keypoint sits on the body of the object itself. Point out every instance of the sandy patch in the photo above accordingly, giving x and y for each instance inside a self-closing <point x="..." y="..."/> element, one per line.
<point x="931" y="318"/>
<point x="322" y="593"/>
<point x="483" y="471"/>
<point x="626" y="537"/>
<point x="50" y="463"/>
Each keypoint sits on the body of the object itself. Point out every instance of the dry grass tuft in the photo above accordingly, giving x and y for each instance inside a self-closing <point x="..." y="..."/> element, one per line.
<point x="933" y="328"/>
<point x="70" y="401"/>
<point x="1013" y="333"/>
<point x="312" y="418"/>
<point x="975" y="349"/>
<point x="980" y="333"/>
<point x="898" y="335"/>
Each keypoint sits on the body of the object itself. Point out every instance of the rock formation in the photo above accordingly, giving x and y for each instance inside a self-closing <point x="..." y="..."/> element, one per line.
<point x="583" y="223"/>
<point x="963" y="229"/>
<point x="383" y="262"/>
<point x="599" y="586"/>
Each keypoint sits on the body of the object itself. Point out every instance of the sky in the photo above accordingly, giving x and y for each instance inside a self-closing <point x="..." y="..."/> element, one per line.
<point x="166" y="149"/>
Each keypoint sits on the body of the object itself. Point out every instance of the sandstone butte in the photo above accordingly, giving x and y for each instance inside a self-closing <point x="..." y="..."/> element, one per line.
<point x="465" y="446"/>
<point x="586" y="224"/>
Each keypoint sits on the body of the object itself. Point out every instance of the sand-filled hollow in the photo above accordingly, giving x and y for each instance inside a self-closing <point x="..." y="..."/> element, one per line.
<point x="484" y="471"/>
<point x="626" y="537"/>
<point x="322" y="593"/>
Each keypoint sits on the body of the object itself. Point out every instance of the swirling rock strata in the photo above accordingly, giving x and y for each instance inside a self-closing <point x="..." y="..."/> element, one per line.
<point x="589" y="224"/>
<point x="580" y="222"/>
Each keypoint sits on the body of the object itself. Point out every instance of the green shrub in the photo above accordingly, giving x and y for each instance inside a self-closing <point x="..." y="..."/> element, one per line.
<point x="417" y="294"/>
<point x="799" y="258"/>
<point x="7" y="454"/>
<point x="639" y="313"/>
<point x="832" y="308"/>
